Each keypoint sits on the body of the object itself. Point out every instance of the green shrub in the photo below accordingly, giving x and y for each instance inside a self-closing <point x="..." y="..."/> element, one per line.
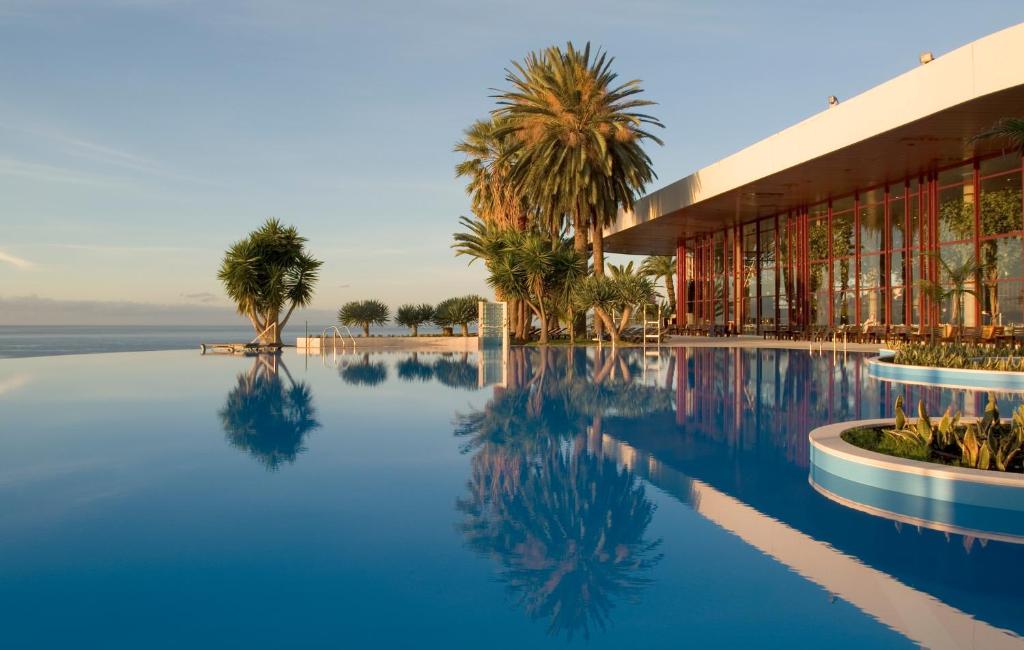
<point x="986" y="443"/>
<point x="412" y="316"/>
<point x="960" y="355"/>
<point x="461" y="311"/>
<point x="364" y="313"/>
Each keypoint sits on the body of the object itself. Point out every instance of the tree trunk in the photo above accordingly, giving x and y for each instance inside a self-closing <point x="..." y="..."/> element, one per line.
<point x="597" y="236"/>
<point x="415" y="330"/>
<point x="366" y="330"/>
<point x="579" y="232"/>
<point x="598" y="239"/>
<point x="626" y="313"/>
<point x="539" y="311"/>
<point x="607" y="321"/>
<point x="670" y="289"/>
<point x="465" y="329"/>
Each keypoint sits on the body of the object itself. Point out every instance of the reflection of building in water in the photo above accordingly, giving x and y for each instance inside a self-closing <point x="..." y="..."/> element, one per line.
<point x="735" y="421"/>
<point x="731" y="394"/>
<point x="917" y="615"/>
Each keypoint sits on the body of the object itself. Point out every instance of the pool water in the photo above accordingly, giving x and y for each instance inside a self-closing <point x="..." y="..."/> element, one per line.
<point x="591" y="499"/>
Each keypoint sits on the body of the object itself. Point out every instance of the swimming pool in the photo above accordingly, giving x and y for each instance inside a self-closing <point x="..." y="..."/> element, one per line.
<point x="598" y="499"/>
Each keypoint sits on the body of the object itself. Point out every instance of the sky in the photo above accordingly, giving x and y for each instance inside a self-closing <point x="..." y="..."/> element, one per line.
<point x="140" y="138"/>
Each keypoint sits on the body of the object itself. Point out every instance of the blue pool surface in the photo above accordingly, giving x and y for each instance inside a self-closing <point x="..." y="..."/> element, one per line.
<point x="588" y="499"/>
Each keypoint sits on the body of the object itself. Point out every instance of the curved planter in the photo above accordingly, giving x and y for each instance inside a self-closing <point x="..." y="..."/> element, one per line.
<point x="1000" y="380"/>
<point x="972" y="502"/>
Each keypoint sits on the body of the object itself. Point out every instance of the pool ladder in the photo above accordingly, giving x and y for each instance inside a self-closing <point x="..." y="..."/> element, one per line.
<point x="335" y="335"/>
<point x="652" y="341"/>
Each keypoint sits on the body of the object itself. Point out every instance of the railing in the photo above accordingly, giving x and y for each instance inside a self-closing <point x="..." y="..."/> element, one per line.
<point x="336" y="334"/>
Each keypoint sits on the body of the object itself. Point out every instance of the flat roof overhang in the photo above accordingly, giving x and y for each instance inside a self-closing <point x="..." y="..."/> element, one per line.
<point x="918" y="122"/>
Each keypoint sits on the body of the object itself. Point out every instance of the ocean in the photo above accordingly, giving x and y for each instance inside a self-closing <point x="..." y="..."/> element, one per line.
<point x="49" y="340"/>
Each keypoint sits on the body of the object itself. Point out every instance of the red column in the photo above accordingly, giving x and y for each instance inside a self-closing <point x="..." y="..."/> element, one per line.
<point x="681" y="282"/>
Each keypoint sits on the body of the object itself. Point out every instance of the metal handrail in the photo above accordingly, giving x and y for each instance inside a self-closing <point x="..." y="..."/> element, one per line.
<point x="323" y="335"/>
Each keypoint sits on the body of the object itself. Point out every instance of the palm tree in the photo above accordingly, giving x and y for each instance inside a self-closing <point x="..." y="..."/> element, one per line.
<point x="412" y="316"/>
<point x="364" y="313"/>
<point x="577" y="139"/>
<point x="495" y="199"/>
<point x="1010" y="129"/>
<point x="602" y="295"/>
<point x="957" y="277"/>
<point x="662" y="267"/>
<point x="482" y="240"/>
<point x="633" y="290"/>
<point x="267" y="272"/>
<point x="461" y="311"/>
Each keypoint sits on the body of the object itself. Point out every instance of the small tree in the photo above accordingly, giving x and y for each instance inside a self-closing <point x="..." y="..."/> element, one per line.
<point x="600" y="293"/>
<point x="461" y="311"/>
<point x="364" y="313"/>
<point x="267" y="272"/>
<point x="412" y="316"/>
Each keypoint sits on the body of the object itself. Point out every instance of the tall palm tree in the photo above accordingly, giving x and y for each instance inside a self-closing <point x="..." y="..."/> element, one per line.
<point x="1010" y="129"/>
<point x="577" y="139"/>
<point x="663" y="267"/>
<point x="495" y="199"/>
<point x="267" y="272"/>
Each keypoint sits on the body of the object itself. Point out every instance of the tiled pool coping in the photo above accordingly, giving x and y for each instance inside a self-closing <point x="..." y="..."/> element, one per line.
<point x="973" y="502"/>
<point x="947" y="377"/>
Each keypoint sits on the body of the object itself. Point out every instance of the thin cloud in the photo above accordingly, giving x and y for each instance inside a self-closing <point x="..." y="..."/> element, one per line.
<point x="52" y="174"/>
<point x="99" y="153"/>
<point x="204" y="297"/>
<point x="128" y="248"/>
<point x="16" y="262"/>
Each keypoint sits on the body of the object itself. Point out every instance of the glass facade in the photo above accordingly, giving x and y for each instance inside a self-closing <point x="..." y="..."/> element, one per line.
<point x="940" y="248"/>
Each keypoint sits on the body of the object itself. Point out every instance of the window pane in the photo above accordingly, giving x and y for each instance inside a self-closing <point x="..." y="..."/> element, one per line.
<point x="999" y="164"/>
<point x="768" y="310"/>
<point x="956" y="213"/>
<point x="1001" y="204"/>
<point x="843" y="291"/>
<point x="840" y="204"/>
<point x="897" y="315"/>
<point x="871" y="271"/>
<point x="767" y="281"/>
<point x="1008" y="299"/>
<point x="876" y="195"/>
<point x="872" y="224"/>
<point x="767" y="243"/>
<point x="962" y="174"/>
<point x="897" y="222"/>
<point x="897" y="274"/>
<point x="819" y="294"/>
<point x="818" y="240"/>
<point x="872" y="309"/>
<point x="1002" y="257"/>
<point x="897" y="190"/>
<point x="916" y="221"/>
<point x="842" y="234"/>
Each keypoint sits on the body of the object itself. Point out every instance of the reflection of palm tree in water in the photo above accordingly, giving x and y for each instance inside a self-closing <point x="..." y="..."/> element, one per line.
<point x="266" y="418"/>
<point x="566" y="524"/>
<point x="567" y="527"/>
<point x="364" y="372"/>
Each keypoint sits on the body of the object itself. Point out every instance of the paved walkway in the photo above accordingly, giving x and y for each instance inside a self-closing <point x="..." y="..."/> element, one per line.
<point x="758" y="342"/>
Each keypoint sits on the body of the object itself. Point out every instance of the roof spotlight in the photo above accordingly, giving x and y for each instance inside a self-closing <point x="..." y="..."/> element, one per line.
<point x="833" y="101"/>
<point x="925" y="57"/>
